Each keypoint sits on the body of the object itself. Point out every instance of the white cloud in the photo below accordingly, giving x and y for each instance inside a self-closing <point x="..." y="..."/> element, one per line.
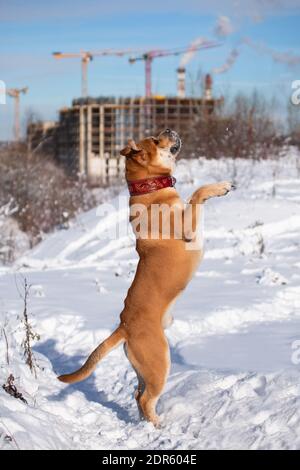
<point x="223" y="26"/>
<point x="289" y="58"/>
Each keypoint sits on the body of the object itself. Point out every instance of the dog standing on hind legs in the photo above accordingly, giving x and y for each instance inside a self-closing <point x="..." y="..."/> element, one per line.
<point x="166" y="264"/>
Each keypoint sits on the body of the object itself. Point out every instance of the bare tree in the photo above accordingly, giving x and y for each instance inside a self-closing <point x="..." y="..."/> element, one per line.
<point x="42" y="195"/>
<point x="243" y="127"/>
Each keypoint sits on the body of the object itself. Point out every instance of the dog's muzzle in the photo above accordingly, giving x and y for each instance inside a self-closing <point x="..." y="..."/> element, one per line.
<point x="173" y="137"/>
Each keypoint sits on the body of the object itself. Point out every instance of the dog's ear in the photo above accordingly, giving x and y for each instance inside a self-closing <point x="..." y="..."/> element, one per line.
<point x="131" y="151"/>
<point x="126" y="151"/>
<point x="155" y="140"/>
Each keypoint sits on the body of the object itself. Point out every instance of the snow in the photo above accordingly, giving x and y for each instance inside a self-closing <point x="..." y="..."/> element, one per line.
<point x="234" y="382"/>
<point x="13" y="241"/>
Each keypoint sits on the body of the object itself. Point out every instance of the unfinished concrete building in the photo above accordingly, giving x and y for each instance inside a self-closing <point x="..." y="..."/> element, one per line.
<point x="91" y="133"/>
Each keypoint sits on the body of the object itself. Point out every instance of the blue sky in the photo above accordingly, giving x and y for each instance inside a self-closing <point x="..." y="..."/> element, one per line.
<point x="30" y="30"/>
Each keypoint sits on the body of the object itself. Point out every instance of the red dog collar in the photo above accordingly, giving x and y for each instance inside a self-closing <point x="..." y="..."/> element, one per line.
<point x="149" y="185"/>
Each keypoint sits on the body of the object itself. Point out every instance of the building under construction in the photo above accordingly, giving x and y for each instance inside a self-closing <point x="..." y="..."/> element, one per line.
<point x="90" y="134"/>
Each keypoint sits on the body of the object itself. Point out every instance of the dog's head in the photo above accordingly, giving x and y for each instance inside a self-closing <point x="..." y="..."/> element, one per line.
<point x="152" y="156"/>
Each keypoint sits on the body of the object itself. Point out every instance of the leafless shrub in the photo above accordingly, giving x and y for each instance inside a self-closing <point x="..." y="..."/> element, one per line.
<point x="6" y="345"/>
<point x="12" y="390"/>
<point x="42" y="194"/>
<point x="243" y="128"/>
<point x="12" y="240"/>
<point x="293" y="122"/>
<point x="30" y="335"/>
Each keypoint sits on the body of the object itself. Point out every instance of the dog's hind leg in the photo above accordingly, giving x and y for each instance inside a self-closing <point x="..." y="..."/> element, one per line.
<point x="167" y="318"/>
<point x="140" y="388"/>
<point x="141" y="384"/>
<point x="151" y="360"/>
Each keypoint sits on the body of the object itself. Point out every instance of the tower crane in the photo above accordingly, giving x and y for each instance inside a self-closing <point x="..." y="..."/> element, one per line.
<point x="148" y="57"/>
<point x="15" y="93"/>
<point x="87" y="57"/>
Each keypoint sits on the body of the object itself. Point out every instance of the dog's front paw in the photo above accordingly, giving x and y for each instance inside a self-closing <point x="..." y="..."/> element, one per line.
<point x="224" y="187"/>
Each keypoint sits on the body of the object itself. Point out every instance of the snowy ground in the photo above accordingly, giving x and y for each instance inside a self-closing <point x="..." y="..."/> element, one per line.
<point x="234" y="381"/>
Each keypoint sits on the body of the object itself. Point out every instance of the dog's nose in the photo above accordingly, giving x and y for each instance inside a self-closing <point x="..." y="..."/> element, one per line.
<point x="168" y="131"/>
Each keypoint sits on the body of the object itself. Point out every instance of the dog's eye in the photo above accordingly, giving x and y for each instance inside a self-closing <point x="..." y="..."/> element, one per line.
<point x="155" y="140"/>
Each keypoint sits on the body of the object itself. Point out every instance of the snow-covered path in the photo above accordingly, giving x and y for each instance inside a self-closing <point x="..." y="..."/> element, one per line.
<point x="234" y="382"/>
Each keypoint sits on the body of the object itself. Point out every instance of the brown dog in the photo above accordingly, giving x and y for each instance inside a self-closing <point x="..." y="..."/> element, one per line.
<point x="165" y="266"/>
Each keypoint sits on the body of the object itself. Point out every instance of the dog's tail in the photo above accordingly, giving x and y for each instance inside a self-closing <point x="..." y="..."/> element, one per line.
<point x="116" y="338"/>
